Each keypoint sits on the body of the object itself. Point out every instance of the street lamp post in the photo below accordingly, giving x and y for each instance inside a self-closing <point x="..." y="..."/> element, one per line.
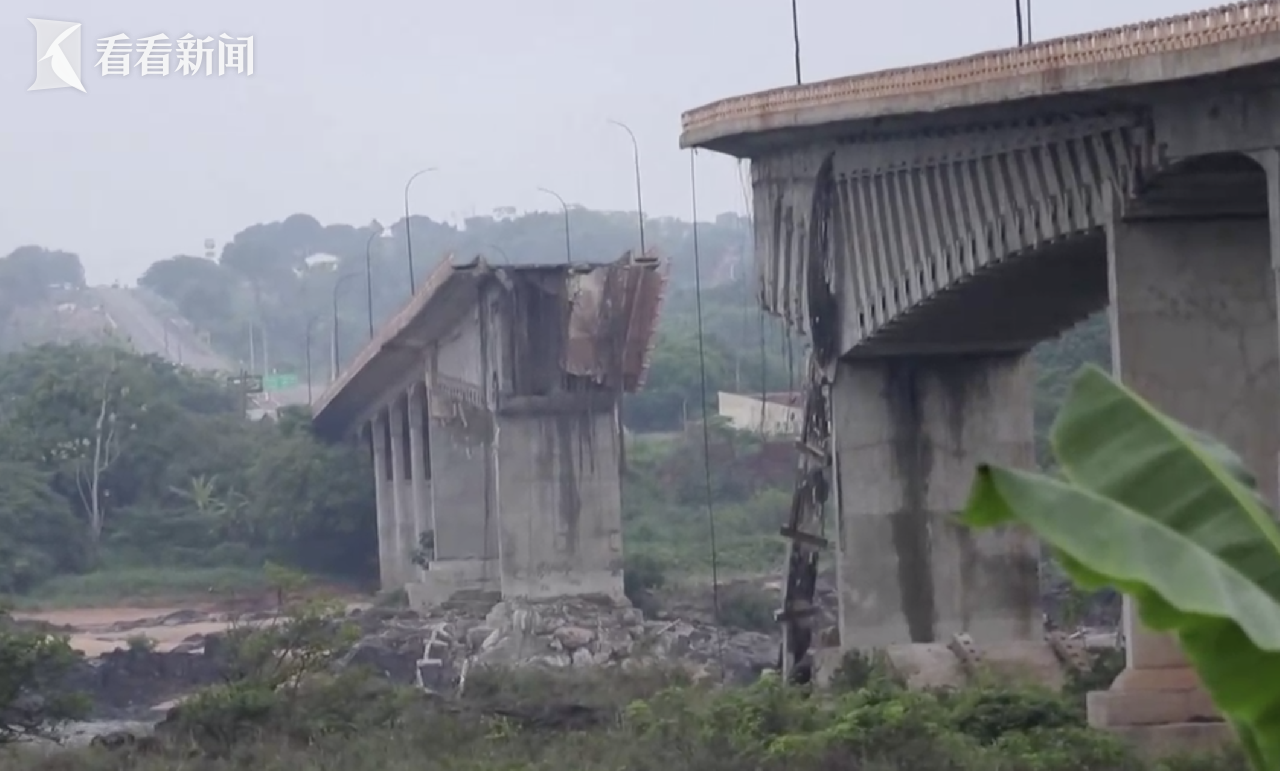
<point x="635" y="154"/>
<point x="378" y="232"/>
<point x="311" y="322"/>
<point x="335" y="359"/>
<point x="408" y="231"/>
<point x="568" y="250"/>
<point x="500" y="251"/>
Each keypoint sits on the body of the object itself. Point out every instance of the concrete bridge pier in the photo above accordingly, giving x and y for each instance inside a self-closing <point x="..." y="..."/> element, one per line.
<point x="377" y="431"/>
<point x="908" y="432"/>
<point x="1194" y="329"/>
<point x="464" y="510"/>
<point x="490" y="402"/>
<point x="560" y="494"/>
<point x="420" y="463"/>
<point x="402" y="488"/>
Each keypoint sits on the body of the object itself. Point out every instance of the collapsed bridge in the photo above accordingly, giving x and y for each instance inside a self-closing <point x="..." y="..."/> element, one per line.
<point x="491" y="406"/>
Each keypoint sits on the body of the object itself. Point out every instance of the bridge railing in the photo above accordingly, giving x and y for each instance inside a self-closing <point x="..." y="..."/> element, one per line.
<point x="1175" y="33"/>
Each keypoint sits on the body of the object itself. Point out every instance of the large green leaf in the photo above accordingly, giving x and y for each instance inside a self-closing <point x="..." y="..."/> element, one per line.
<point x="1166" y="515"/>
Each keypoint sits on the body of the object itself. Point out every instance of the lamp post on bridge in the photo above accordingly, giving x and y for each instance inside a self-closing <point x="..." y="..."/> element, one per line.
<point x="378" y="232"/>
<point x="500" y="251"/>
<point x="568" y="250"/>
<point x="335" y="359"/>
<point x="311" y="322"/>
<point x="408" y="230"/>
<point x="635" y="154"/>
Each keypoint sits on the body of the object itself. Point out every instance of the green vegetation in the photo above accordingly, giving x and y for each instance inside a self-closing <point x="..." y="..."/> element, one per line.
<point x="1172" y="518"/>
<point x="664" y="505"/>
<point x="32" y="703"/>
<point x="283" y="707"/>
<point x="119" y="469"/>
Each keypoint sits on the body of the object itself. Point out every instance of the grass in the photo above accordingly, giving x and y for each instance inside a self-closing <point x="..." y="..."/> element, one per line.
<point x="141" y="587"/>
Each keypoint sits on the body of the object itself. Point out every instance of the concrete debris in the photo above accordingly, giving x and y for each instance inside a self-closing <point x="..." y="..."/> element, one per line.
<point x="561" y="633"/>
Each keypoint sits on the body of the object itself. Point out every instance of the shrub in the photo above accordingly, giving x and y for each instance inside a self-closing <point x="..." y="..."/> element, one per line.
<point x="33" y="665"/>
<point x="650" y="720"/>
<point x="748" y="607"/>
<point x="642" y="575"/>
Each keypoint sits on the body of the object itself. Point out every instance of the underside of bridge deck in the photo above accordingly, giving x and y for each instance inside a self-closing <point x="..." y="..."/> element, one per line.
<point x="1009" y="306"/>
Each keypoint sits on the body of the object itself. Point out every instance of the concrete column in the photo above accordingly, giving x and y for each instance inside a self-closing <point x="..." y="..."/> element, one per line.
<point x="421" y="491"/>
<point x="561" y="498"/>
<point x="385" y="500"/>
<point x="466" y="528"/>
<point x="1193" y="325"/>
<point x="403" y="535"/>
<point x="464" y="517"/>
<point x="908" y="433"/>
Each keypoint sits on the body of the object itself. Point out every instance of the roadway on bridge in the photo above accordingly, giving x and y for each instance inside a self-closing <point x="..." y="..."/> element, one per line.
<point x="150" y="334"/>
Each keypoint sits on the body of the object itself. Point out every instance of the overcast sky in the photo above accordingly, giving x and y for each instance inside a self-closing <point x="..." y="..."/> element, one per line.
<point x="348" y="99"/>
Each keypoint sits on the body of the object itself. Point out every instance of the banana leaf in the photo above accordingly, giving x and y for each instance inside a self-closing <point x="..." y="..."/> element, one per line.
<point x="1170" y="517"/>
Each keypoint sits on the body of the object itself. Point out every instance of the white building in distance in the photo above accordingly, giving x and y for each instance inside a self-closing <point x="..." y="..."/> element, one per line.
<point x="776" y="414"/>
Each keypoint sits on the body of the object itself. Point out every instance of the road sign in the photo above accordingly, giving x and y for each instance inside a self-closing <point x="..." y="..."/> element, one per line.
<point x="279" y="382"/>
<point x="251" y="384"/>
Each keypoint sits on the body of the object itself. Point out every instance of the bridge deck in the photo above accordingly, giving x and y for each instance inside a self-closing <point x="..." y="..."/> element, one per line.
<point x="1176" y="48"/>
<point x="608" y="309"/>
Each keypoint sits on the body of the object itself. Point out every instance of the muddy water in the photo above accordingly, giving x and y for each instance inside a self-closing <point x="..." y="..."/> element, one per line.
<point x="96" y="631"/>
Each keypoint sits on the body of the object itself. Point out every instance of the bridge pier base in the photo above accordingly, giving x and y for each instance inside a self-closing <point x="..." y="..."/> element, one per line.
<point x="1194" y="329"/>
<point x="561" y="497"/>
<point x="385" y="499"/>
<point x="464" y="514"/>
<point x="908" y="432"/>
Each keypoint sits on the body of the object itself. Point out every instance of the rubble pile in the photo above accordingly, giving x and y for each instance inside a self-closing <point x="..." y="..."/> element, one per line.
<point x="436" y="648"/>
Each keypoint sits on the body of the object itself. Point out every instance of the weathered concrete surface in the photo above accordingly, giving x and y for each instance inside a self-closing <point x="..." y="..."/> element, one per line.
<point x="560" y="495"/>
<point x="984" y="204"/>
<point x="908" y="433"/>
<point x="1198" y="44"/>
<point x="492" y="402"/>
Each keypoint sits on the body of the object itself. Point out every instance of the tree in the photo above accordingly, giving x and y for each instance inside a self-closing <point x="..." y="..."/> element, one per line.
<point x="33" y="703"/>
<point x="105" y="442"/>
<point x="73" y="420"/>
<point x="31" y="272"/>
<point x="1170" y="517"/>
<point x="314" y="502"/>
<point x="41" y="535"/>
<point x="179" y="475"/>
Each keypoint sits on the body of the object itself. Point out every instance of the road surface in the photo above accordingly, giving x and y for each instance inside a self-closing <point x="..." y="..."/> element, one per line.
<point x="150" y="334"/>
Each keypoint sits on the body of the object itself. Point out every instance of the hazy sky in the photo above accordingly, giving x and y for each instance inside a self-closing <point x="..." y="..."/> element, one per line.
<point x="348" y="99"/>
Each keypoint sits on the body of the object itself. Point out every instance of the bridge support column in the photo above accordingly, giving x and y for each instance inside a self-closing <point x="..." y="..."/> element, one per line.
<point x="560" y="496"/>
<point x="421" y="472"/>
<point x="464" y="511"/>
<point x="385" y="499"/>
<point x="1193" y="324"/>
<point x="403" y="542"/>
<point x="908" y="432"/>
